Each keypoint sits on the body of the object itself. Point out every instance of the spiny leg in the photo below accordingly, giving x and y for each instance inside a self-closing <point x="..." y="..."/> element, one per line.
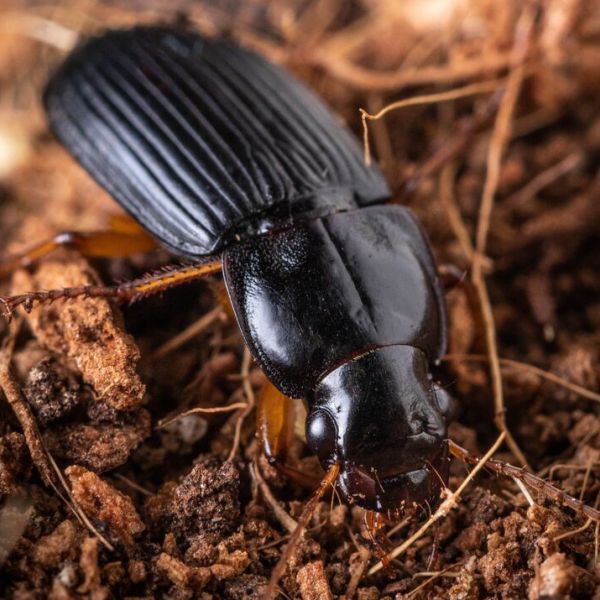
<point x="124" y="237"/>
<point x="275" y="419"/>
<point x="374" y="526"/>
<point x="129" y="291"/>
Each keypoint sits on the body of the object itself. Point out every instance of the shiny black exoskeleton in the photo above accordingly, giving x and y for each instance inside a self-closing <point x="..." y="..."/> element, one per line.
<point x="214" y="150"/>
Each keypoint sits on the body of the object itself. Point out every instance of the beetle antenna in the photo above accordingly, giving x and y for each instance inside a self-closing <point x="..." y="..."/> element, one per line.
<point x="541" y="486"/>
<point x="335" y="493"/>
<point x="438" y="474"/>
<point x="307" y="513"/>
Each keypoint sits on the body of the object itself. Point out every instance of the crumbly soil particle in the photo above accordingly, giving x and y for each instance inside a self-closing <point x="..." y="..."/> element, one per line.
<point x="51" y="390"/>
<point x="14" y="462"/>
<point x="99" y="446"/>
<point x="86" y="331"/>
<point x="100" y="501"/>
<point x="558" y="577"/>
<point x="205" y="503"/>
<point x="313" y="582"/>
<point x="182" y="521"/>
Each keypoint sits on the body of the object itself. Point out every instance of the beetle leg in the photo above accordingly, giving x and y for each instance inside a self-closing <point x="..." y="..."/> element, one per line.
<point x="275" y="418"/>
<point x="124" y="237"/>
<point x="374" y="524"/>
<point x="129" y="291"/>
<point x="275" y="422"/>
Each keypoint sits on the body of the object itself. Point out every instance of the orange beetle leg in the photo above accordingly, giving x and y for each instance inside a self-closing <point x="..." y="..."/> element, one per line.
<point x="276" y="416"/>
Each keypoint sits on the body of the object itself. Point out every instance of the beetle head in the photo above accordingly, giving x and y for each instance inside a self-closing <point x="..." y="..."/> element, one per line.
<point x="379" y="417"/>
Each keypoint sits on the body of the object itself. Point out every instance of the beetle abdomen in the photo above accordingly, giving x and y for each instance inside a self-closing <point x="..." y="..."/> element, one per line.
<point x="199" y="139"/>
<point x="313" y="296"/>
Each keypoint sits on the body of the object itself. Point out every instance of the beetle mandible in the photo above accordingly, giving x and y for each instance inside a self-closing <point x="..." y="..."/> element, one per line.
<point x="227" y="160"/>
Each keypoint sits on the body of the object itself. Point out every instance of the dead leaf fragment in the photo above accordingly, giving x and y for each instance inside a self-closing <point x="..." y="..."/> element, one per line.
<point x="50" y="549"/>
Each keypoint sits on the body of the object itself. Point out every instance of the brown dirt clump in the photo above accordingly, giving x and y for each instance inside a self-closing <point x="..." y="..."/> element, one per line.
<point x="51" y="549"/>
<point x="88" y="332"/>
<point x="103" y="502"/>
<point x="51" y="390"/>
<point x="312" y="582"/>
<point x="558" y="577"/>
<point x="14" y="464"/>
<point x="168" y="516"/>
<point x="207" y="499"/>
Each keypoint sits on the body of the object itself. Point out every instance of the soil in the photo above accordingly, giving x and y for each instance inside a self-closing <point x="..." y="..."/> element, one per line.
<point x="142" y="510"/>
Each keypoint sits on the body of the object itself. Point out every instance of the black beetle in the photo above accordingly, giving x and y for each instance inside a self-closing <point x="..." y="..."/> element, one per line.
<point x="224" y="157"/>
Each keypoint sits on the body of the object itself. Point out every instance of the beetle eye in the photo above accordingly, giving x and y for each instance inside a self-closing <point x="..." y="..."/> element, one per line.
<point x="321" y="434"/>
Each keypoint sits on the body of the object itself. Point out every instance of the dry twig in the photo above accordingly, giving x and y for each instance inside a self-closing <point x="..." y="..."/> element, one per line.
<point x="496" y="148"/>
<point x="195" y="329"/>
<point x="283" y="517"/>
<point x="455" y="220"/>
<point x="20" y="407"/>
<point x="432" y="578"/>
<point x="521" y="366"/>
<point x="250" y="402"/>
<point x="372" y="81"/>
<point x="449" y="503"/>
<point x="47" y="31"/>
<point x="462" y="92"/>
<point x="358" y="571"/>
<point x="202" y="410"/>
<point x="309" y="509"/>
<point x="543" y="179"/>
<point x="454" y="143"/>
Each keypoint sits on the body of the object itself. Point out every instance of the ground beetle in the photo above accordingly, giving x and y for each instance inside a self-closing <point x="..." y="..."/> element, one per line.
<point x="226" y="159"/>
